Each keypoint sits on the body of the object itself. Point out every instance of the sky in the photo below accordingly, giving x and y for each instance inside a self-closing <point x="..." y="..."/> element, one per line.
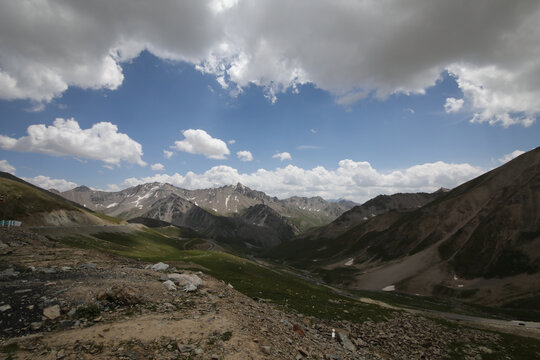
<point x="339" y="99"/>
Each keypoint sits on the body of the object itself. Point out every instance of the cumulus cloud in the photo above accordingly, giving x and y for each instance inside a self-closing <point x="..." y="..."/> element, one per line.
<point x="157" y="167"/>
<point x="453" y="105"/>
<point x="245" y="155"/>
<point x="282" y="156"/>
<point x="514" y="154"/>
<point x="499" y="95"/>
<point x="47" y="183"/>
<point x="363" y="48"/>
<point x="7" y="167"/>
<point x="66" y="138"/>
<point x="232" y="142"/>
<point x="357" y="181"/>
<point x="200" y="142"/>
<point x="167" y="154"/>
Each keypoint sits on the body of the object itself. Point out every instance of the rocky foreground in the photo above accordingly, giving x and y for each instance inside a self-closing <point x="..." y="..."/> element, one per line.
<point x="64" y="303"/>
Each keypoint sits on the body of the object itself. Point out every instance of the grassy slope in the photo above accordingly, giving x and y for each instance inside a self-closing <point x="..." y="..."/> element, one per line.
<point x="285" y="290"/>
<point x="23" y="200"/>
<point x="247" y="277"/>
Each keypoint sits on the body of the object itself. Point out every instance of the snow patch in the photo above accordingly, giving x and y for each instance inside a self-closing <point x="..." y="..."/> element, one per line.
<point x="111" y="205"/>
<point x="389" y="288"/>
<point x="349" y="262"/>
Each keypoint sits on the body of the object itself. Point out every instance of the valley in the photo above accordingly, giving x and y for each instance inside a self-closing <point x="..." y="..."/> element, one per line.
<point x="269" y="288"/>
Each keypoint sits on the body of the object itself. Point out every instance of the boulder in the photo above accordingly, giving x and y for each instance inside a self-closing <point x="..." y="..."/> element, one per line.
<point x="159" y="266"/>
<point x="52" y="312"/>
<point x="189" y="282"/>
<point x="345" y="341"/>
<point x="169" y="285"/>
<point x="123" y="295"/>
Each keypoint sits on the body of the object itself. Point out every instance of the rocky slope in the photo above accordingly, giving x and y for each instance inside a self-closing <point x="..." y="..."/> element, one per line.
<point x="66" y="303"/>
<point x="480" y="241"/>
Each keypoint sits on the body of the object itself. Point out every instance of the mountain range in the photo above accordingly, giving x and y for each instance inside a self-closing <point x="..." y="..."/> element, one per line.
<point x="224" y="201"/>
<point x="233" y="214"/>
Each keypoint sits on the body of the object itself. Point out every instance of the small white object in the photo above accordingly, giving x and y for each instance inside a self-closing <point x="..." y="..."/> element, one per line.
<point x="333" y="333"/>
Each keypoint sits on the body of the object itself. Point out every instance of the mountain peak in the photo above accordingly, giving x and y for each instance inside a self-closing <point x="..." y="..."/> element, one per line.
<point x="82" y="188"/>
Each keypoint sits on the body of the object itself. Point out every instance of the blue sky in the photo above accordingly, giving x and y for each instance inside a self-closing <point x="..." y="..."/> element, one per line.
<point x="338" y="128"/>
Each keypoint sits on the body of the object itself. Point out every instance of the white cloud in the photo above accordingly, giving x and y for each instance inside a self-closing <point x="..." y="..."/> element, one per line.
<point x="313" y="131"/>
<point x="47" y="183"/>
<point x="157" y="167"/>
<point x="7" y="167"/>
<point x="282" y="156"/>
<point x="514" y="154"/>
<point x="167" y="154"/>
<point x="36" y="107"/>
<point x="498" y="95"/>
<point x="65" y="138"/>
<point x="363" y="48"/>
<point x="453" y="105"/>
<point x="245" y="155"/>
<point x="357" y="181"/>
<point x="410" y="111"/>
<point x="232" y="142"/>
<point x="200" y="142"/>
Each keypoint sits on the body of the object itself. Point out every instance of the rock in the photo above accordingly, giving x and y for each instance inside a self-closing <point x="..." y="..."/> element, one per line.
<point x="267" y="350"/>
<point x="52" y="312"/>
<point x="345" y="341"/>
<point x="36" y="325"/>
<point x="5" y="308"/>
<point x="302" y="352"/>
<point x="9" y="272"/>
<point x="88" y="266"/>
<point x="230" y="286"/>
<point x="189" y="282"/>
<point x="360" y="342"/>
<point x="170" y="285"/>
<point x="60" y="354"/>
<point x="123" y="295"/>
<point x="485" y="350"/>
<point x="65" y="268"/>
<point x="159" y="266"/>
<point x="297" y="329"/>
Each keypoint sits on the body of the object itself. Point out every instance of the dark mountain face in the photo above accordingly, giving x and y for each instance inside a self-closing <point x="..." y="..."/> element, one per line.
<point x="379" y="205"/>
<point x="480" y="240"/>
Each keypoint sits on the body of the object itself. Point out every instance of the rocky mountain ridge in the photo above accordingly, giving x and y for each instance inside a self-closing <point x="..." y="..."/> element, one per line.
<point x="230" y="200"/>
